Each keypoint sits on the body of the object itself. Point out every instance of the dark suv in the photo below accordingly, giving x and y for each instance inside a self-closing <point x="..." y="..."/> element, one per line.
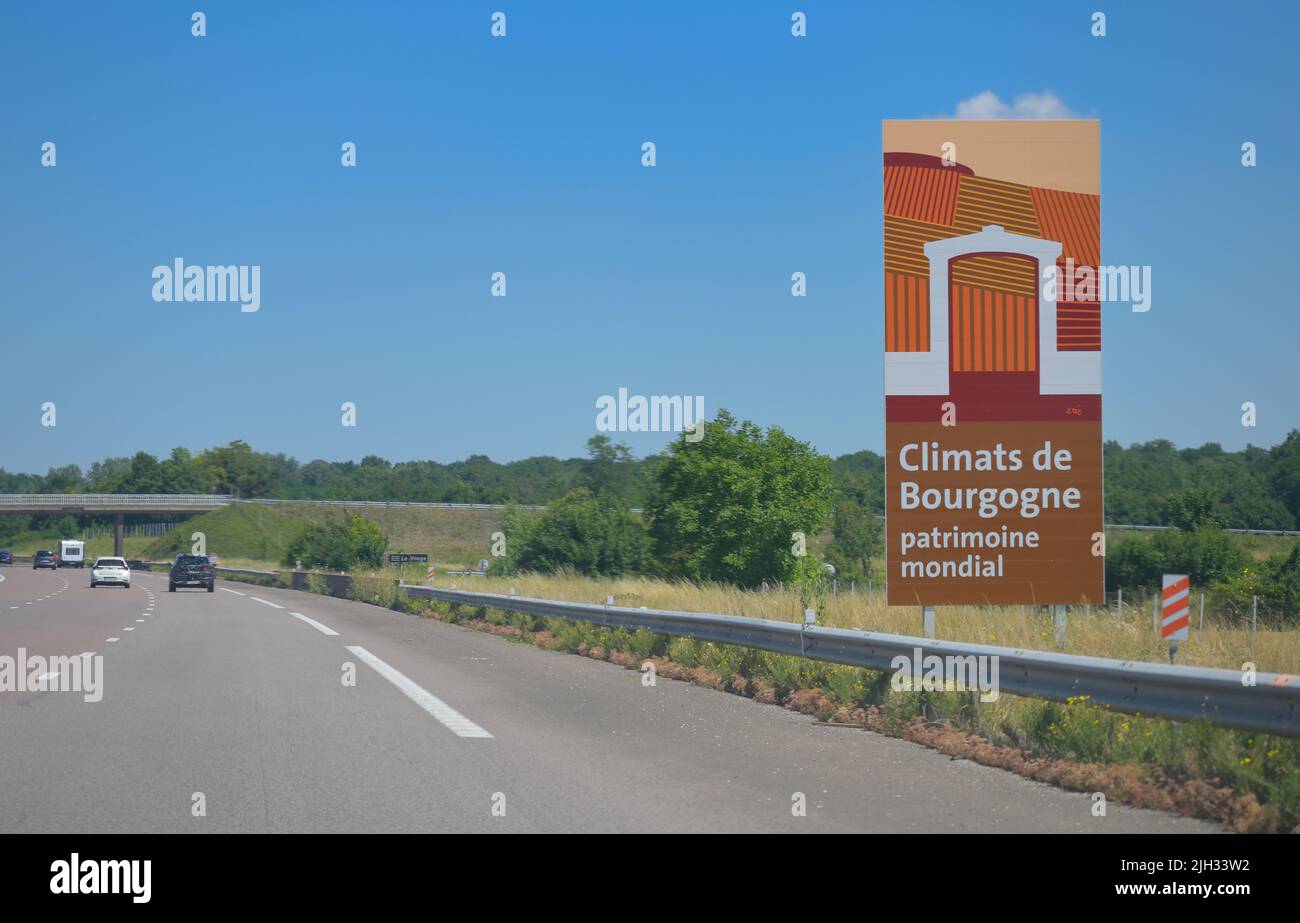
<point x="191" y="570"/>
<point x="6" y="556"/>
<point x="45" y="559"/>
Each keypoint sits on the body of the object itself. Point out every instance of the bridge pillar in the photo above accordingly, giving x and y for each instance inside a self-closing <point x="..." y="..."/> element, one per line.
<point x="117" y="534"/>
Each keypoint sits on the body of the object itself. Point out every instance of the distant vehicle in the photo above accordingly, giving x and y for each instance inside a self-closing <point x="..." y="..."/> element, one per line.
<point x="110" y="571"/>
<point x="72" y="553"/>
<point x="191" y="570"/>
<point x="6" y="556"/>
<point x="45" y="558"/>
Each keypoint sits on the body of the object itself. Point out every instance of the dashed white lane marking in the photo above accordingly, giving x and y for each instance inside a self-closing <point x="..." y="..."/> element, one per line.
<point x="265" y="602"/>
<point x="111" y="640"/>
<point x="236" y="592"/>
<point x="323" y="629"/>
<point x="13" y="607"/>
<point x="128" y="629"/>
<point x="87" y="653"/>
<point x="139" y="620"/>
<point x="451" y="719"/>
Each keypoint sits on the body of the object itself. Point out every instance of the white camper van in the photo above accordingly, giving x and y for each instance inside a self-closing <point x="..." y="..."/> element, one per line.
<point x="72" y="553"/>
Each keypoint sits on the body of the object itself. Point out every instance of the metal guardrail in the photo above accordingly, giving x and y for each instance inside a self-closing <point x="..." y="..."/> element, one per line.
<point x="245" y="572"/>
<point x="398" y="504"/>
<point x="92" y="502"/>
<point x="1178" y="692"/>
<point x="1128" y="528"/>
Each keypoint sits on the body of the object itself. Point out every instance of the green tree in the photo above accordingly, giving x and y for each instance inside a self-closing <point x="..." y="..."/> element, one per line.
<point x="1133" y="562"/>
<point x="724" y="507"/>
<point x="584" y="532"/>
<point x="66" y="479"/>
<point x="1193" y="508"/>
<point x="367" y="542"/>
<point x="1207" y="555"/>
<point x="611" y="469"/>
<point x="237" y="469"/>
<point x="857" y="537"/>
<point x="339" y="545"/>
<point x="1285" y="477"/>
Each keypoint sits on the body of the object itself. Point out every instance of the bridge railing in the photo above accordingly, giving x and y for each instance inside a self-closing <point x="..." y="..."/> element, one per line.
<point x="100" y="501"/>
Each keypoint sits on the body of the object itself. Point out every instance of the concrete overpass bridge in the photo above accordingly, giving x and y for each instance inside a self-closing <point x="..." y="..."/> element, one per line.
<point x="115" y="505"/>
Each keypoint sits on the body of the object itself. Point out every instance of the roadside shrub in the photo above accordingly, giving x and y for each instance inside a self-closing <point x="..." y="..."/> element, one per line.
<point x="316" y="584"/>
<point x="375" y="589"/>
<point x="581" y="532"/>
<point x="339" y="545"/>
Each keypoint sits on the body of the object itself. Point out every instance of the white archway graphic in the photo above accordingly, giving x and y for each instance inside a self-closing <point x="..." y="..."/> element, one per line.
<point x="928" y="372"/>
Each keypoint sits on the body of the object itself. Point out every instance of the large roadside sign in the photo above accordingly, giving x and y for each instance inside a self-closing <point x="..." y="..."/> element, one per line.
<point x="992" y="242"/>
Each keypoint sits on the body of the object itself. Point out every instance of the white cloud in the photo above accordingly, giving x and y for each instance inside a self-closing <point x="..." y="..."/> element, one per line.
<point x="988" y="105"/>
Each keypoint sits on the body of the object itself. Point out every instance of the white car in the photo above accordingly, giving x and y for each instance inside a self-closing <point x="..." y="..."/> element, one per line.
<point x="110" y="570"/>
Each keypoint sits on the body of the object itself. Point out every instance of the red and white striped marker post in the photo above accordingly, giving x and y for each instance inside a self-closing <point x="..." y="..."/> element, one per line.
<point x="1175" y="610"/>
<point x="428" y="575"/>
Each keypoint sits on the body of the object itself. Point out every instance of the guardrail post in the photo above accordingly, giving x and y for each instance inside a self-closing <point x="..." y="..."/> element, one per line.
<point x="1060" y="620"/>
<point x="1119" y="606"/>
<point x="1201" y="627"/>
<point x="809" y="621"/>
<point x="927" y="621"/>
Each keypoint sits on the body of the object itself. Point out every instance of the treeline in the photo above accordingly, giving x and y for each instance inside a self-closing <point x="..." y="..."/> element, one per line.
<point x="238" y="470"/>
<point x="1254" y="488"/>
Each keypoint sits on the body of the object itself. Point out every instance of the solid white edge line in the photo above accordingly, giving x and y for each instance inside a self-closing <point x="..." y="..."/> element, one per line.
<point x="453" y="720"/>
<point x="323" y="629"/>
<point x="266" y="602"/>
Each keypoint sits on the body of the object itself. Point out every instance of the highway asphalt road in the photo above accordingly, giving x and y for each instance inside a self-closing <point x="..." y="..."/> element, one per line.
<point x="235" y="701"/>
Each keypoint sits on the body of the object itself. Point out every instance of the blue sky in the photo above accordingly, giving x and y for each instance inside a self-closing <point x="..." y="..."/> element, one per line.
<point x="522" y="155"/>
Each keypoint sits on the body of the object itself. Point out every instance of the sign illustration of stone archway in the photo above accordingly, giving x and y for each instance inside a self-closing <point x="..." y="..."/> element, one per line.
<point x="992" y="384"/>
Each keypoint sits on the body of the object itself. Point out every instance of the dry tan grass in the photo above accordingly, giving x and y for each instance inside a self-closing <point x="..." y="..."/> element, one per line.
<point x="1101" y="634"/>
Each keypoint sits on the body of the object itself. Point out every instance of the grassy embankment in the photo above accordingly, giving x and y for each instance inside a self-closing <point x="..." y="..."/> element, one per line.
<point x="258" y="536"/>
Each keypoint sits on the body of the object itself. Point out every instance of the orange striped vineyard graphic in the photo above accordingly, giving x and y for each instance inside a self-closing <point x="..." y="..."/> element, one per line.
<point x="992" y="330"/>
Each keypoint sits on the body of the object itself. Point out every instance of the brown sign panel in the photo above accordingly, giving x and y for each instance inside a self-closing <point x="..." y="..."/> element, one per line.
<point x="992" y="362"/>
